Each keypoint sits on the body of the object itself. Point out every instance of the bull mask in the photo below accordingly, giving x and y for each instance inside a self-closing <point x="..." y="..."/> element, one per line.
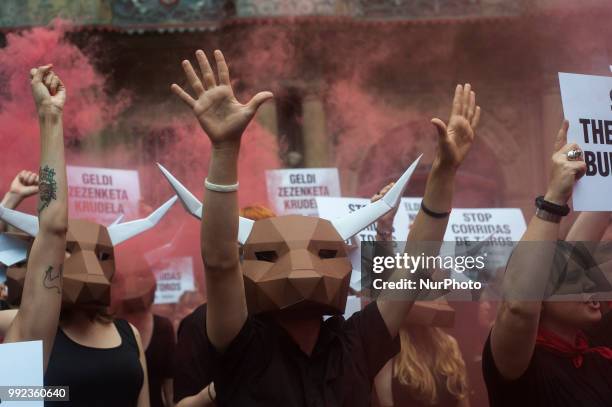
<point x="90" y="259"/>
<point x="299" y="263"/>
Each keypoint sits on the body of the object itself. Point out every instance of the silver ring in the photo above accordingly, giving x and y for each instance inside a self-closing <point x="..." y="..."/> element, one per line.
<point x="574" y="154"/>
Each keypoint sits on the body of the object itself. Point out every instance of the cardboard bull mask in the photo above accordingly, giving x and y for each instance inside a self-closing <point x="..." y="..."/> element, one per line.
<point x="90" y="259"/>
<point x="299" y="263"/>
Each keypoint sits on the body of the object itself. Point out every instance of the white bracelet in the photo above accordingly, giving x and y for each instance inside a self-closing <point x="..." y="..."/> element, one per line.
<point x="220" y="188"/>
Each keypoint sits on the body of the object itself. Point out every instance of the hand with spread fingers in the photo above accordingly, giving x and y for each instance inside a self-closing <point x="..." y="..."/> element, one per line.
<point x="220" y="114"/>
<point x="456" y="136"/>
<point x="48" y="90"/>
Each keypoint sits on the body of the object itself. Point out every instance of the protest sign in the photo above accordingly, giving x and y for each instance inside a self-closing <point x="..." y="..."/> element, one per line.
<point x="174" y="277"/>
<point x="21" y="366"/>
<point x="294" y="191"/>
<point x="587" y="105"/>
<point x="495" y="224"/>
<point x="102" y="195"/>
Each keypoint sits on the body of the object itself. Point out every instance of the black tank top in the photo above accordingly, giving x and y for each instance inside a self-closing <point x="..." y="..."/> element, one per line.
<point x="96" y="377"/>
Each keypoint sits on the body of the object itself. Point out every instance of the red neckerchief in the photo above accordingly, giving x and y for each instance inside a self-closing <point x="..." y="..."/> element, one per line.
<point x="576" y="352"/>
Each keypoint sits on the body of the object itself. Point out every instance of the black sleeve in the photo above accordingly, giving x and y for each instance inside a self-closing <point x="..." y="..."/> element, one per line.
<point x="374" y="341"/>
<point x="192" y="371"/>
<point x="246" y="357"/>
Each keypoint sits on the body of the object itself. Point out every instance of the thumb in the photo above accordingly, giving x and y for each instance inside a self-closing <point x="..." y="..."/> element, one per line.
<point x="39" y="73"/>
<point x="258" y="100"/>
<point x="440" y="127"/>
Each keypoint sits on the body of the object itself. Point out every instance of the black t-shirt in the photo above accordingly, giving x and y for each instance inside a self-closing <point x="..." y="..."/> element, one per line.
<point x="551" y="380"/>
<point x="160" y="358"/>
<point x="601" y="334"/>
<point x="95" y="376"/>
<point x="263" y="366"/>
<point x="193" y="359"/>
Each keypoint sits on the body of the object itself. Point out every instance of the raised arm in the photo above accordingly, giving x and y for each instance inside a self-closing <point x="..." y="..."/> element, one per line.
<point x="42" y="292"/>
<point x="455" y="139"/>
<point x="24" y="185"/>
<point x="514" y="333"/>
<point x="589" y="227"/>
<point x="223" y="119"/>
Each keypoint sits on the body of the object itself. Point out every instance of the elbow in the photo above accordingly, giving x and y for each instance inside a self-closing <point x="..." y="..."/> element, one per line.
<point x="220" y="257"/>
<point x="521" y="310"/>
<point x="56" y="225"/>
<point x="217" y="265"/>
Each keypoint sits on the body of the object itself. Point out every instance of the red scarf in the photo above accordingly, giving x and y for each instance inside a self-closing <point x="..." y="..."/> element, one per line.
<point x="576" y="352"/>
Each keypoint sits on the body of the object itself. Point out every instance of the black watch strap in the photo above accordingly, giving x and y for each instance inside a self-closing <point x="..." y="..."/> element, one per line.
<point x="550" y="207"/>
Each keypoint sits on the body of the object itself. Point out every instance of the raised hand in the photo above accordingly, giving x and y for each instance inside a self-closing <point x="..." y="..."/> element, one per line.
<point x="456" y="136"/>
<point x="48" y="90"/>
<point x="220" y="114"/>
<point x="385" y="223"/>
<point x="565" y="172"/>
<point x="25" y="184"/>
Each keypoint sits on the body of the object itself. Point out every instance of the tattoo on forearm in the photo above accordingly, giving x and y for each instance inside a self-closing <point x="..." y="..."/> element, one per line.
<point x="47" y="187"/>
<point x="53" y="279"/>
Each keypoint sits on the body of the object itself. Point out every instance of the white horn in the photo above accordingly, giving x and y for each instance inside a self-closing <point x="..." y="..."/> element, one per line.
<point x="22" y="221"/>
<point x="354" y="222"/>
<point x="123" y="231"/>
<point x="194" y="207"/>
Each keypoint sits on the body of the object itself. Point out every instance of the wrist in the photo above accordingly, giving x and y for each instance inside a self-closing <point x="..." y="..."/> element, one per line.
<point x="556" y="198"/>
<point x="49" y="114"/>
<point x="11" y="200"/>
<point x="442" y="169"/>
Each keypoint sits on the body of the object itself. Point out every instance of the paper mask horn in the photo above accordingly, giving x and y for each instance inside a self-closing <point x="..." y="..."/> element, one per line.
<point x="346" y="226"/>
<point x="118" y="232"/>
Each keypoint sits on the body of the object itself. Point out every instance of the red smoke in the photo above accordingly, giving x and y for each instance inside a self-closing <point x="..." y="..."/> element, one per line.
<point x="88" y="109"/>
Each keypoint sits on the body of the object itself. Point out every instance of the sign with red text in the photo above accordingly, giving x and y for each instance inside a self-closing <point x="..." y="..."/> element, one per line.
<point x="295" y="191"/>
<point x="174" y="276"/>
<point x="102" y="194"/>
<point x="587" y="105"/>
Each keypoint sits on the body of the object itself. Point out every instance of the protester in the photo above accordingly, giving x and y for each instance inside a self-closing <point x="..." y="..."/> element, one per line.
<point x="134" y="288"/>
<point x="429" y="370"/>
<point x="37" y="318"/>
<point x="291" y="357"/>
<point x="192" y="381"/>
<point x="537" y="353"/>
<point x="100" y="359"/>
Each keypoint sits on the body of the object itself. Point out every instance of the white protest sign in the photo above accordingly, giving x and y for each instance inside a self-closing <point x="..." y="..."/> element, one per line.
<point x="478" y="224"/>
<point x="174" y="277"/>
<point x="102" y="195"/>
<point x="294" y="191"/>
<point x="21" y="364"/>
<point x="587" y="105"/>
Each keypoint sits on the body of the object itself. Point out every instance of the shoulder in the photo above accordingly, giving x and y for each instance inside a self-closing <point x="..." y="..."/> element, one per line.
<point x="194" y="322"/>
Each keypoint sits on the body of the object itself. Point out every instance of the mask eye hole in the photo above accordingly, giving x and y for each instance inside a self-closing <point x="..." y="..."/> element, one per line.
<point x="327" y="254"/>
<point x="269" y="256"/>
<point x="102" y="256"/>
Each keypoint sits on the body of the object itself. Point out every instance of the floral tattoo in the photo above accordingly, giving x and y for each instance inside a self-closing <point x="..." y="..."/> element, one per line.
<point x="47" y="187"/>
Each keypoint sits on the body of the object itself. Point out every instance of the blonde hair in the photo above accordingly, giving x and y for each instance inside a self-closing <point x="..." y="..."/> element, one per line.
<point x="256" y="212"/>
<point x="428" y="353"/>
